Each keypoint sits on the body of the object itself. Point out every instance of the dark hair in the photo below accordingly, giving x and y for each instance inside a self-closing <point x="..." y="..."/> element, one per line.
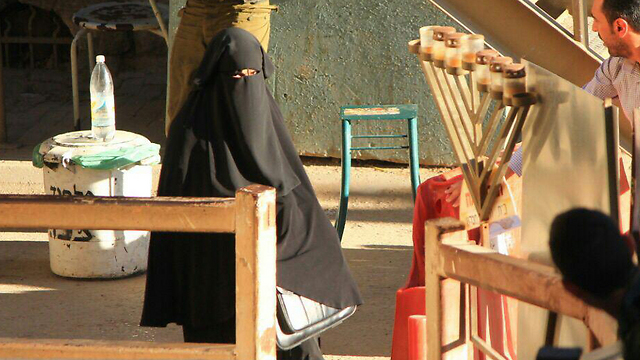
<point x="629" y="10"/>
<point x="589" y="251"/>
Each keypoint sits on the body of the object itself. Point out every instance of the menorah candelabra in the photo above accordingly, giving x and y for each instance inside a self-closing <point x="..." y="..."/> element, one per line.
<point x="473" y="89"/>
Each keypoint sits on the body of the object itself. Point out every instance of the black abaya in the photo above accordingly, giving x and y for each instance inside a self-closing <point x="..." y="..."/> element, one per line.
<point x="230" y="134"/>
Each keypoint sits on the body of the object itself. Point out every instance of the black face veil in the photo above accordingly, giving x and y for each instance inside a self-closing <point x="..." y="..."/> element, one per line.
<point x="230" y="134"/>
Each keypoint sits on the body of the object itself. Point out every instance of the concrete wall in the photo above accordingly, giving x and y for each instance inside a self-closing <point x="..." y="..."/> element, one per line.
<point x="330" y="53"/>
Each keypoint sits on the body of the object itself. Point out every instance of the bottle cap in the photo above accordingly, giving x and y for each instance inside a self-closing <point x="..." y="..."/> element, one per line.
<point x="514" y="71"/>
<point x="100" y="58"/>
<point x="453" y="40"/>
<point x="440" y="31"/>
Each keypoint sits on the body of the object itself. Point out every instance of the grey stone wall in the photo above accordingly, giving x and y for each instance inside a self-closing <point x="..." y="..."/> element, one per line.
<point x="331" y="53"/>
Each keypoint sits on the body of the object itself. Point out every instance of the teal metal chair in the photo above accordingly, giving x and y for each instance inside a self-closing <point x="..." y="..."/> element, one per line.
<point x="368" y="113"/>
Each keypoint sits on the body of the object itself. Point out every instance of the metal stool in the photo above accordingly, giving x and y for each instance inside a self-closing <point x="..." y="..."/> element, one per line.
<point x="408" y="113"/>
<point x="113" y="16"/>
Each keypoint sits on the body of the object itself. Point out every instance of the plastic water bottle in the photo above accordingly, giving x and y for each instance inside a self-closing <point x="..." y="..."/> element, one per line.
<point x="103" y="114"/>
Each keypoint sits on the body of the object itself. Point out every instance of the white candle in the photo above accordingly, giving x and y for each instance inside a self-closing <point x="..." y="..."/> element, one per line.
<point x="426" y="38"/>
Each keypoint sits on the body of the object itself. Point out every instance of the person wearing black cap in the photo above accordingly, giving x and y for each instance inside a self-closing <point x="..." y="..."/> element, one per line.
<point x="229" y="134"/>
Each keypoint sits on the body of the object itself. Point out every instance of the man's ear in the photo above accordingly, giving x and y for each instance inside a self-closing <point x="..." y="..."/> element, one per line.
<point x="620" y="27"/>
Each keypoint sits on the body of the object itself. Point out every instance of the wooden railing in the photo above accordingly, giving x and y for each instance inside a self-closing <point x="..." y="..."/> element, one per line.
<point x="250" y="215"/>
<point x="448" y="254"/>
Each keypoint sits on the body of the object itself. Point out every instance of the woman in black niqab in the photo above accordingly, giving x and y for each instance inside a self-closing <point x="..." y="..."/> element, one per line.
<point x="229" y="134"/>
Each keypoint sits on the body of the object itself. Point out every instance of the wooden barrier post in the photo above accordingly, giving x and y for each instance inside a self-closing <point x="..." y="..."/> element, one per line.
<point x="435" y="292"/>
<point x="433" y="304"/>
<point x="255" y="273"/>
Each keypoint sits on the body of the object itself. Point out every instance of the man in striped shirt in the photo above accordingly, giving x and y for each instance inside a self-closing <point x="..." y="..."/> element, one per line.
<point x="617" y="23"/>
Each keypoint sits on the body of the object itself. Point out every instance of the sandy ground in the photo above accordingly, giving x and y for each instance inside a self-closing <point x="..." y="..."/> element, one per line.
<point x="35" y="303"/>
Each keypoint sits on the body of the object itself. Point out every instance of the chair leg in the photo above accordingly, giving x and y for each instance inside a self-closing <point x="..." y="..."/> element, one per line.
<point x="346" y="174"/>
<point x="74" y="78"/>
<point x="163" y="27"/>
<point x="414" y="162"/>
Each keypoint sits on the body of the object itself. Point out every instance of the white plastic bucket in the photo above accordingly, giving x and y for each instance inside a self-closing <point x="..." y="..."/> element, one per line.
<point x="95" y="253"/>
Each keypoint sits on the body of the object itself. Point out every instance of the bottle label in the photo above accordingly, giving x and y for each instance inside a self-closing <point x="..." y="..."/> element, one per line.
<point x="103" y="112"/>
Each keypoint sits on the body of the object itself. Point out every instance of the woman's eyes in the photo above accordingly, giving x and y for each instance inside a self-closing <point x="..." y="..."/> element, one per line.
<point x="244" y="72"/>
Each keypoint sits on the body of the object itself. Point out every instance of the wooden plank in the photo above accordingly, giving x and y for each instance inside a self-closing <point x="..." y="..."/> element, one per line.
<point x="433" y="305"/>
<point x="479" y="116"/>
<point x="454" y="114"/>
<point x="472" y="184"/>
<point x="430" y="76"/>
<point x="461" y="107"/>
<point x="433" y="300"/>
<point x="463" y="87"/>
<point x="523" y="280"/>
<point x="503" y="134"/>
<point x="534" y="283"/>
<point x="490" y="129"/>
<point x="117" y="213"/>
<point x="94" y="349"/>
<point x="496" y="180"/>
<point x="256" y="273"/>
<point x="475" y="95"/>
